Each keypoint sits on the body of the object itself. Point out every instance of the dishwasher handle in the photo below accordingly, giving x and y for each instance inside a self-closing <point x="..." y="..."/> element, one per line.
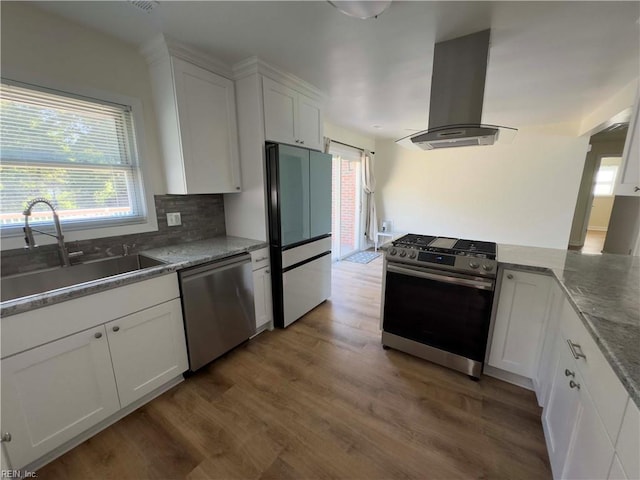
<point x="215" y="266"/>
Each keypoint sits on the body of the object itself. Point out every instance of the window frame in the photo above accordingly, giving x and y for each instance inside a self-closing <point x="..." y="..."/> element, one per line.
<point x="12" y="236"/>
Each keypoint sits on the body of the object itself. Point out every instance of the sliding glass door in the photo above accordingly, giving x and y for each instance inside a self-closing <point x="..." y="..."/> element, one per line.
<point x="346" y="209"/>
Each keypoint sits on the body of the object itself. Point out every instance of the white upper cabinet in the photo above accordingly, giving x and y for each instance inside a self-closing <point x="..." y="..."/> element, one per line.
<point x="520" y="321"/>
<point x="628" y="181"/>
<point x="196" y="113"/>
<point x="291" y="117"/>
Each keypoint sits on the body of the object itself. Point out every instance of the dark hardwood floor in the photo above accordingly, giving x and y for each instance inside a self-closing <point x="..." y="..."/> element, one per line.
<point x="318" y="400"/>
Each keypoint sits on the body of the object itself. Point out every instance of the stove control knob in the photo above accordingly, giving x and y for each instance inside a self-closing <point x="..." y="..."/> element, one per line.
<point x="403" y="253"/>
<point x="487" y="267"/>
<point x="412" y="254"/>
<point x="393" y="251"/>
<point x="474" y="265"/>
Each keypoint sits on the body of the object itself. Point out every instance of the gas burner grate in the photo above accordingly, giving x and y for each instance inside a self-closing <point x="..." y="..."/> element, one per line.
<point x="413" y="240"/>
<point x="475" y="246"/>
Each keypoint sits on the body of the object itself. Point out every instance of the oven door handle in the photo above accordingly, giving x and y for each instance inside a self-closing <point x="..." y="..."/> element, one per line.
<point x="479" y="284"/>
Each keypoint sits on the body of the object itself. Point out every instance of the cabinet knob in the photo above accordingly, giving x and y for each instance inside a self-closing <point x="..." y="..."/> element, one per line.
<point x="116" y="328"/>
<point x="510" y="277"/>
<point x="6" y="437"/>
<point x="573" y="384"/>
<point x="569" y="373"/>
<point x="636" y="189"/>
<point x="302" y="142"/>
<point x="98" y="335"/>
<point x="266" y="271"/>
<point x="297" y="141"/>
<point x="237" y="188"/>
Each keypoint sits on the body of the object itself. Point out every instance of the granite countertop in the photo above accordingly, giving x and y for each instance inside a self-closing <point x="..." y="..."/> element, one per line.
<point x="604" y="290"/>
<point x="176" y="257"/>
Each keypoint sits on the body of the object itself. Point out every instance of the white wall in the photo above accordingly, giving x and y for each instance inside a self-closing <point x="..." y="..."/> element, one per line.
<point x="523" y="193"/>
<point x="42" y="48"/>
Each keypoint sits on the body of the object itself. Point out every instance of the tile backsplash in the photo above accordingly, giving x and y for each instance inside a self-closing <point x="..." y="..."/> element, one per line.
<point x="202" y="217"/>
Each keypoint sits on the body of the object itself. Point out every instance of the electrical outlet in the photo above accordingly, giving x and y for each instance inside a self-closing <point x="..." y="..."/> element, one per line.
<point x="173" y="219"/>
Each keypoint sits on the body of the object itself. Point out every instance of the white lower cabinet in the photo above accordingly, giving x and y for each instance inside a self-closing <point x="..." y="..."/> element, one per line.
<point x="147" y="349"/>
<point x="581" y="423"/>
<point x="590" y="453"/>
<point x="54" y="392"/>
<point x="519" y="322"/>
<point x="560" y="413"/>
<point x="83" y="366"/>
<point x="262" y="297"/>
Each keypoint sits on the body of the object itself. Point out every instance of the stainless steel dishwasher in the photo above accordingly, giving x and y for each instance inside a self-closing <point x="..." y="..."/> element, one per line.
<point x="218" y="308"/>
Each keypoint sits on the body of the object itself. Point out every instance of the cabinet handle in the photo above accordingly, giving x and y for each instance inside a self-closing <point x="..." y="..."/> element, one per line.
<point x="569" y="373"/>
<point x="510" y="277"/>
<point x="98" y="335"/>
<point x="302" y="142"/>
<point x="237" y="188"/>
<point x="116" y="328"/>
<point x="266" y="271"/>
<point x="261" y="259"/>
<point x="636" y="189"/>
<point x="574" y="347"/>
<point x="297" y="141"/>
<point x="6" y="437"/>
<point x="573" y="384"/>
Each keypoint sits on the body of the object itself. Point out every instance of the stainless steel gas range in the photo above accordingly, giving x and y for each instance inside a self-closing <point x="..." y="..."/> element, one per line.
<point x="437" y="299"/>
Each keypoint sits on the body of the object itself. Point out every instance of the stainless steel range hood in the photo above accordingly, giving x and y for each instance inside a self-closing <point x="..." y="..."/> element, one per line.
<point x="457" y="95"/>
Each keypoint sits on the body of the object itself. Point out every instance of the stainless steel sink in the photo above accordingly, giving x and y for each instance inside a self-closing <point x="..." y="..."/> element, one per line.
<point x="24" y="284"/>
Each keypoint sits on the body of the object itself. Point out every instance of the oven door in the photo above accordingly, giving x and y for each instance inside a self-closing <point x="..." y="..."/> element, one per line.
<point x="445" y="310"/>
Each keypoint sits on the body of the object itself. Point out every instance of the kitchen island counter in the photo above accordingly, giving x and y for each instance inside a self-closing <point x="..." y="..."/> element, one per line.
<point x="604" y="291"/>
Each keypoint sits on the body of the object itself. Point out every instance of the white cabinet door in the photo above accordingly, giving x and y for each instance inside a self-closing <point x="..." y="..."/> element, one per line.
<point x="262" y="297"/>
<point x="54" y="392"/>
<point x="148" y="349"/>
<point x="591" y="453"/>
<point x="519" y="322"/>
<point x="560" y="413"/>
<point x="628" y="443"/>
<point x="208" y="129"/>
<point x="548" y="353"/>
<point x="291" y="117"/>
<point x="280" y="111"/>
<point x="310" y="125"/>
<point x="628" y="180"/>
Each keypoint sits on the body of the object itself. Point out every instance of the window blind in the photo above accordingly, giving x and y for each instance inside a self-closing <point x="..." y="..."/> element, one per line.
<point x="78" y="153"/>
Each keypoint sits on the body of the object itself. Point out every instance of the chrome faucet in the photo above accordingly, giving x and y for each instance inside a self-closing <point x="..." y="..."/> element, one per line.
<point x="28" y="231"/>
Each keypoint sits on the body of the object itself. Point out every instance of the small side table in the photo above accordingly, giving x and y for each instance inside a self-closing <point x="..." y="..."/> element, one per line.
<point x="380" y="235"/>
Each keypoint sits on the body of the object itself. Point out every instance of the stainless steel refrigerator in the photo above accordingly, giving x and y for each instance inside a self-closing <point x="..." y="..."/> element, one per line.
<point x="299" y="190"/>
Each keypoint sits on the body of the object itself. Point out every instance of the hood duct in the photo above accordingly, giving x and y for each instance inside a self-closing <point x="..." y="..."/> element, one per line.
<point x="457" y="95"/>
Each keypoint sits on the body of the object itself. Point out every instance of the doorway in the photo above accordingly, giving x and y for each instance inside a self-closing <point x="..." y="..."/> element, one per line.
<point x="346" y="205"/>
<point x="602" y="204"/>
<point x="595" y="196"/>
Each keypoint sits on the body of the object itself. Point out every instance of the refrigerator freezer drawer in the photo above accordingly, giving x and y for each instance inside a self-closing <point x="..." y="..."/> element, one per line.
<point x="306" y="287"/>
<point x="308" y="250"/>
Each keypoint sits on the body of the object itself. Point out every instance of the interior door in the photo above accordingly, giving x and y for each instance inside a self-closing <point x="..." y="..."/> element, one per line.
<point x="320" y="193"/>
<point x="293" y="170"/>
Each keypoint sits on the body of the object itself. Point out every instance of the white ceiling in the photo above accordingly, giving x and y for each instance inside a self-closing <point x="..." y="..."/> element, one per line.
<point x="550" y="62"/>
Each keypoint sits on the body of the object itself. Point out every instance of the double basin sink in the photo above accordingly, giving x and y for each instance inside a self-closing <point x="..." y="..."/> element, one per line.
<point x="25" y="284"/>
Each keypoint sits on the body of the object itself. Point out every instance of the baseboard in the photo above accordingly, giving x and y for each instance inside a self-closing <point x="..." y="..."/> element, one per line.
<point x="508" y="377"/>
<point x="107" y="422"/>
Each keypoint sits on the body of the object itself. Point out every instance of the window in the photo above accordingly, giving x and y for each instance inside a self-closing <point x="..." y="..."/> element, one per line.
<point x="606" y="176"/>
<point x="79" y="153"/>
